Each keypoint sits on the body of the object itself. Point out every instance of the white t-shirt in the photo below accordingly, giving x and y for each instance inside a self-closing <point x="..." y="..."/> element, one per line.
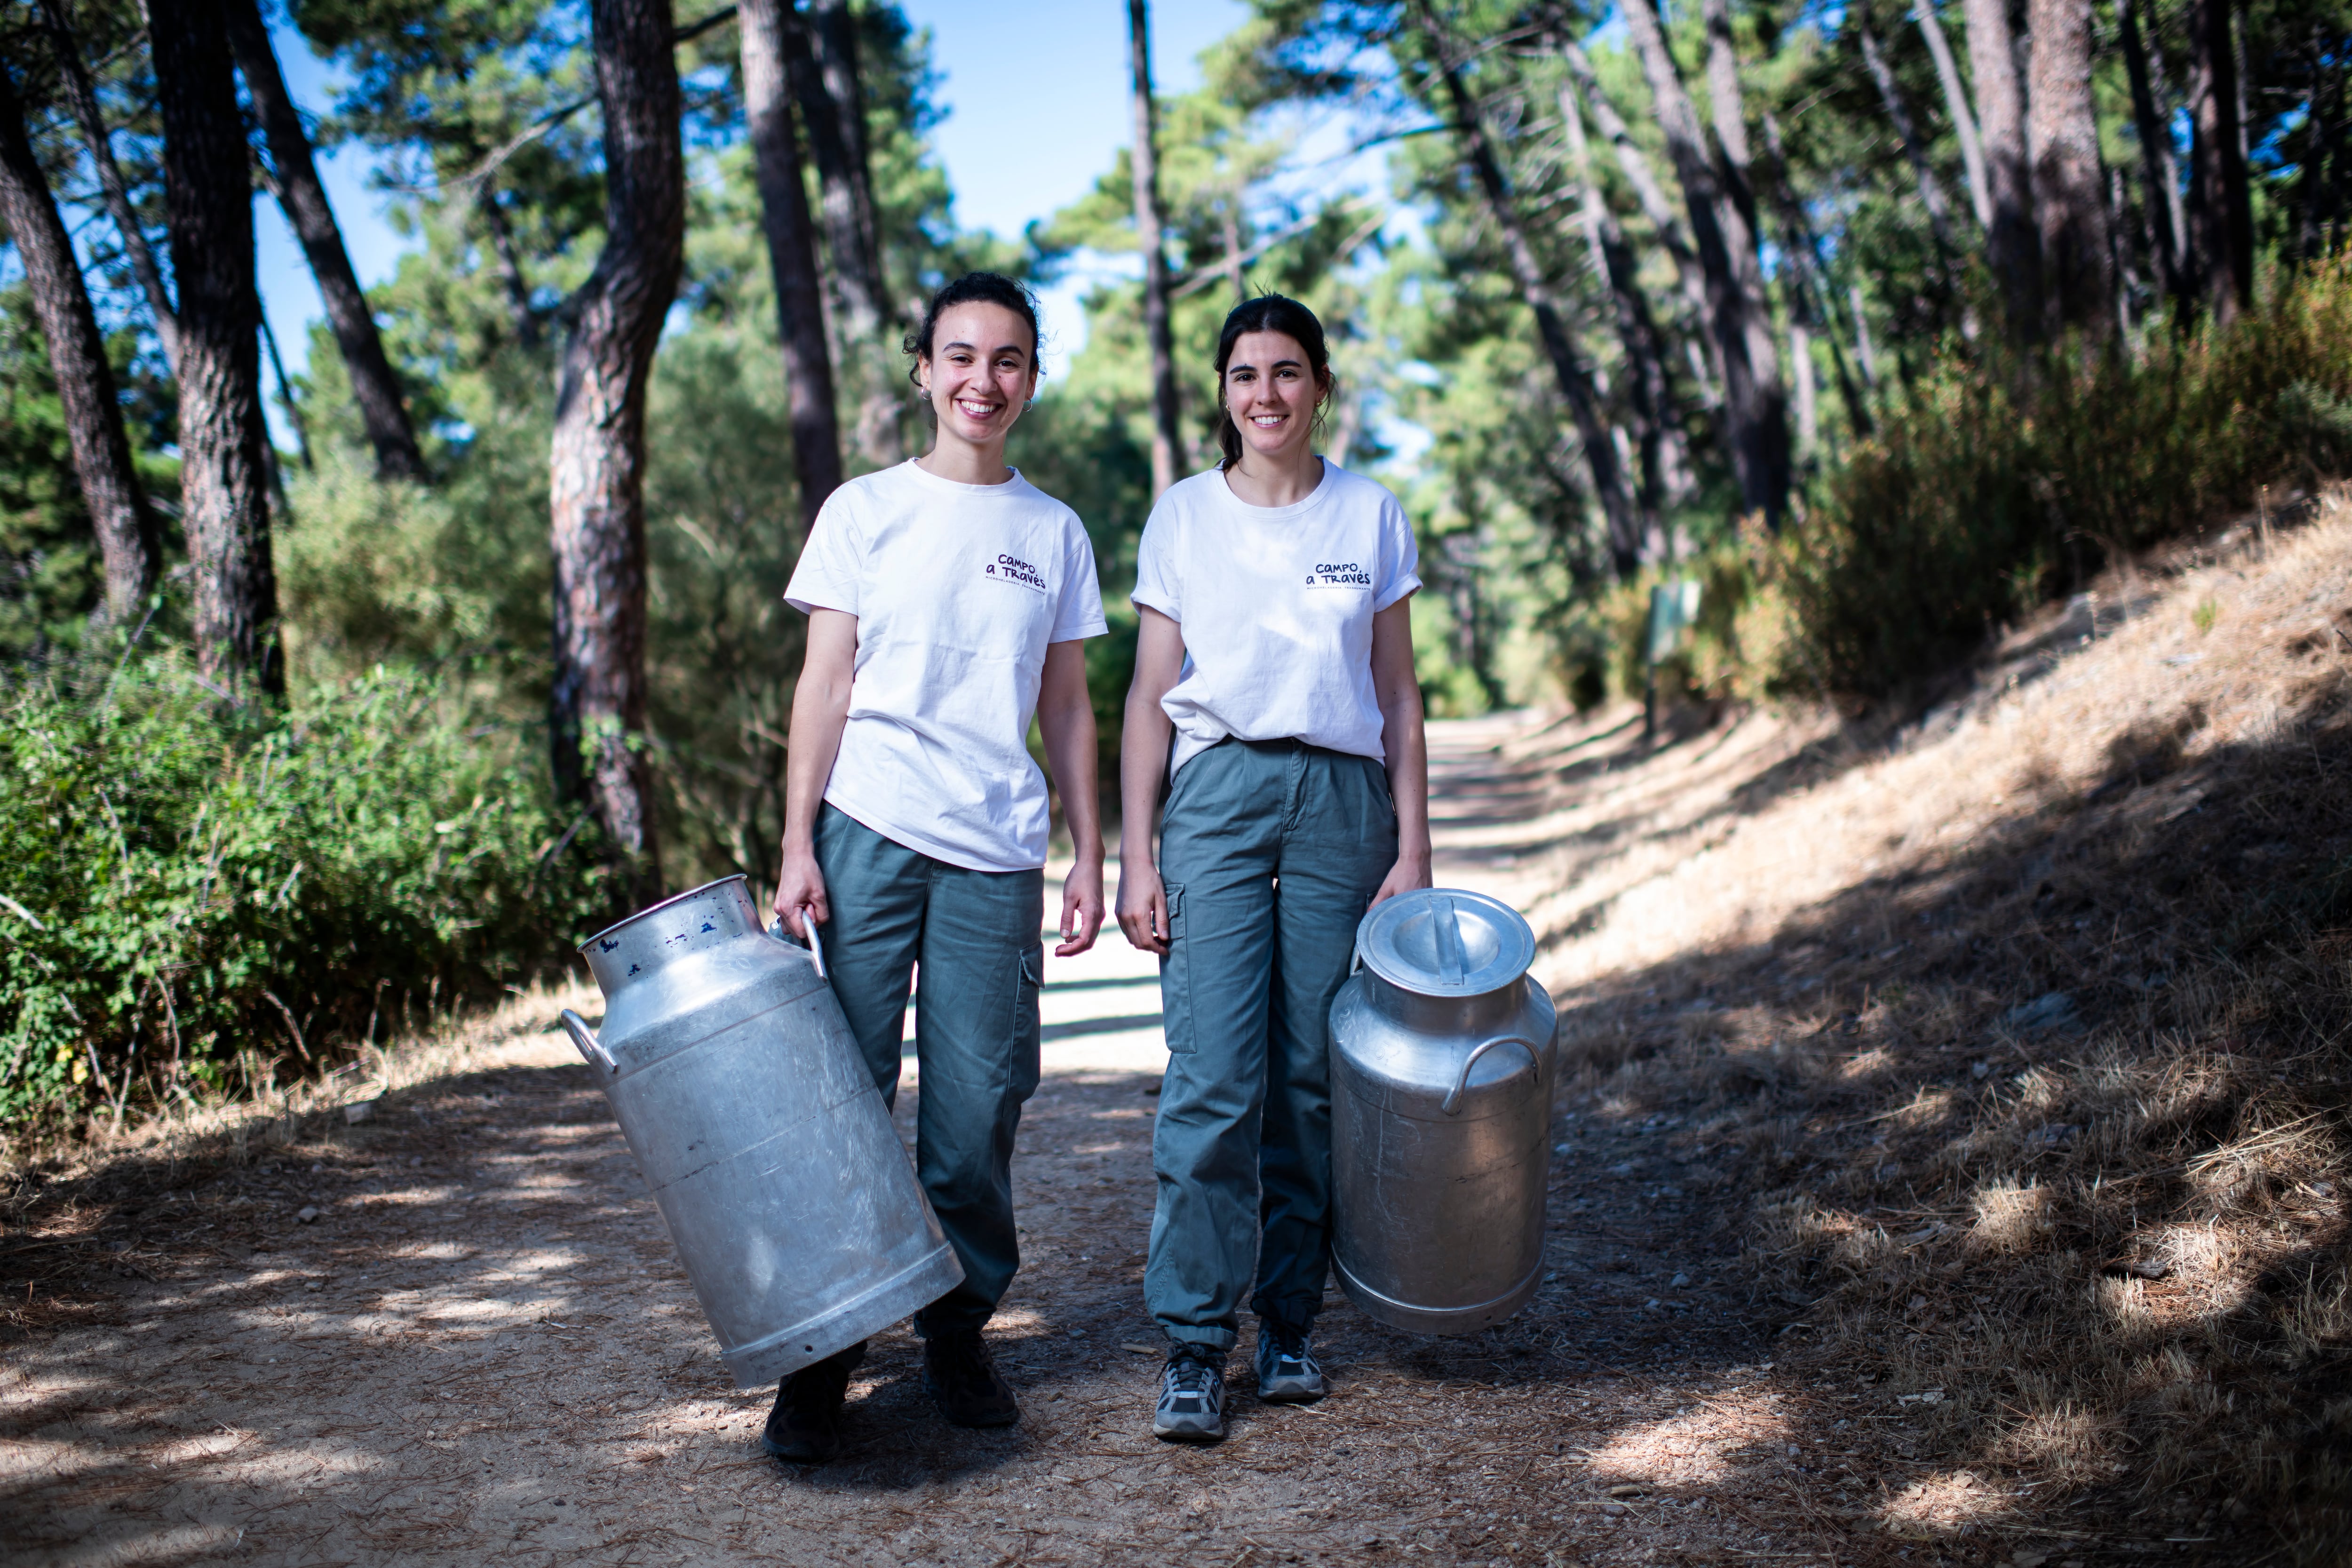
<point x="1276" y="606"/>
<point x="957" y="589"/>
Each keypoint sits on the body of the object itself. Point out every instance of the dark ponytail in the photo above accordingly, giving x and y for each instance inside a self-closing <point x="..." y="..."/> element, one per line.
<point x="1269" y="313"/>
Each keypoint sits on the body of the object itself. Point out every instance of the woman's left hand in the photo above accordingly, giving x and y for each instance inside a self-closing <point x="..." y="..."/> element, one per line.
<point x="1082" y="909"/>
<point x="1409" y="872"/>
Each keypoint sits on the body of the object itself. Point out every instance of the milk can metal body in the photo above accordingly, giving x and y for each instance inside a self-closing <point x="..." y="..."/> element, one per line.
<point x="735" y="1078"/>
<point x="1443" y="1065"/>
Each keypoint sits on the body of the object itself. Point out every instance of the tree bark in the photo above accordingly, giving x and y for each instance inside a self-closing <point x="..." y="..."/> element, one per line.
<point x="833" y="30"/>
<point x="1166" y="433"/>
<point x="2011" y="246"/>
<point x="596" y="466"/>
<point x="224" y="487"/>
<point x="1898" y="114"/>
<point x="93" y="412"/>
<point x="856" y="271"/>
<point x="507" y="262"/>
<point x="2220" y="212"/>
<point x="1627" y="526"/>
<point x="135" y="249"/>
<point x="2152" y="122"/>
<point x="1755" y="406"/>
<point x="374" y="387"/>
<point x="1655" y="207"/>
<point x="792" y="255"/>
<point x="1664" y="449"/>
<point x="1956" y="105"/>
<point x="1808" y="295"/>
<point x="2069" y="188"/>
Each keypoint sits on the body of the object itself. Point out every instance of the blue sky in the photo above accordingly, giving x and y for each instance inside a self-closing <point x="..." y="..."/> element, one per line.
<point x="1037" y="101"/>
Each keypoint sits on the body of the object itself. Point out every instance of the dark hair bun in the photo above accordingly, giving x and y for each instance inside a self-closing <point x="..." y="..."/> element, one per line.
<point x="976" y="288"/>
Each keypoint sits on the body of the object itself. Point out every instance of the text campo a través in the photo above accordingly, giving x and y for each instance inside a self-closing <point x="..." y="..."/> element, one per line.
<point x="1012" y="569"/>
<point x="1338" y="574"/>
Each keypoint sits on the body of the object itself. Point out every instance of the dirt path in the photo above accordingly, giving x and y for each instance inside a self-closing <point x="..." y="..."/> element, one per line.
<point x="480" y="1345"/>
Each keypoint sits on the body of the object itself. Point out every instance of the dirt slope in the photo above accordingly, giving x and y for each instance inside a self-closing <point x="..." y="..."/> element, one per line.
<point x="1951" y="1172"/>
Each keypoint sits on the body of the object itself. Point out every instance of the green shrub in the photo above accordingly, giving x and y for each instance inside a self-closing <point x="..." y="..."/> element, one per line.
<point x="191" y="895"/>
<point x="1997" y="483"/>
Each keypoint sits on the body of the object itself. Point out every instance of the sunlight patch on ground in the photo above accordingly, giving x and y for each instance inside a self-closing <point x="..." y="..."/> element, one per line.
<point x="1698" y="1448"/>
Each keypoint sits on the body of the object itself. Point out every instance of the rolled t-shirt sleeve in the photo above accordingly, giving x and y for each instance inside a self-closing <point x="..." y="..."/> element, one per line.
<point x="1400" y="557"/>
<point x="1080" y="612"/>
<point x="1157" y="584"/>
<point x="832" y="564"/>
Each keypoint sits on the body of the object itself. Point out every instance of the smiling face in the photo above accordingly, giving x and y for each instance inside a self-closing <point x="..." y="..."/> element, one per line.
<point x="1271" y="391"/>
<point x="982" y="370"/>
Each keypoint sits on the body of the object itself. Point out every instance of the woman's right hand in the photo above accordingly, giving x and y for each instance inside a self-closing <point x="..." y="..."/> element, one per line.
<point x="1144" y="907"/>
<point x="801" y="885"/>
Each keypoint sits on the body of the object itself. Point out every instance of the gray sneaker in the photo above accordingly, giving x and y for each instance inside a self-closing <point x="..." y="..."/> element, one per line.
<point x="1192" y="1396"/>
<point x="1287" y="1373"/>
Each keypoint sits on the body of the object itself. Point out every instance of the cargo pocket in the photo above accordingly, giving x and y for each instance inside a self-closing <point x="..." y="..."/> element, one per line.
<point x="1026" y="1034"/>
<point x="1175" y="979"/>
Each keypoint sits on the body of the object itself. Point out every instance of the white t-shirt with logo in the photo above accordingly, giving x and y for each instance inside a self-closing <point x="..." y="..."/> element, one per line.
<point x="957" y="589"/>
<point x="1276" y="606"/>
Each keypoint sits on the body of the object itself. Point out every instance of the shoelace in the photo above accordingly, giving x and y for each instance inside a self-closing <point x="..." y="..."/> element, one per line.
<point x="1188" y="1377"/>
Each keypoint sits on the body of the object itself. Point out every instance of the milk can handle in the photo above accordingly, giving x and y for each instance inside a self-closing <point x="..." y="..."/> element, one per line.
<point x="815" y="943"/>
<point x="585" y="1039"/>
<point x="1451" y="1103"/>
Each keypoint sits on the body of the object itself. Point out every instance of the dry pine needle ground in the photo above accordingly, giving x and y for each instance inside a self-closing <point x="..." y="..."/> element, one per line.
<point x="1952" y="1171"/>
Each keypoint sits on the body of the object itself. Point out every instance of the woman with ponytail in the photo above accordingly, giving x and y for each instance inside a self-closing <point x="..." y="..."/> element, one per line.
<point x="1276" y="710"/>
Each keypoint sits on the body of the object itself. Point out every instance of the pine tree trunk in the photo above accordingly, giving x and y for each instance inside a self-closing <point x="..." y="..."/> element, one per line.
<point x="792" y="255"/>
<point x="2152" y="122"/>
<point x="507" y="262"/>
<point x="833" y="31"/>
<point x="1627" y="526"/>
<point x="2221" y="222"/>
<point x="1166" y="432"/>
<point x="2011" y="246"/>
<point x="93" y="414"/>
<point x="374" y="385"/>
<point x="135" y="249"/>
<point x="1807" y="291"/>
<point x="596" y="468"/>
<point x="2069" y="187"/>
<point x="1655" y="207"/>
<point x="1898" y="114"/>
<point x="1666" y="456"/>
<point x="1956" y="106"/>
<point x="1755" y="406"/>
<point x="224" y="487"/>
<point x="857" y="272"/>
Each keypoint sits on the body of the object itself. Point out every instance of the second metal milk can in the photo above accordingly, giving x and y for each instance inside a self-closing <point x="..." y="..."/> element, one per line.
<point x="1442" y="1078"/>
<point x="753" y="1115"/>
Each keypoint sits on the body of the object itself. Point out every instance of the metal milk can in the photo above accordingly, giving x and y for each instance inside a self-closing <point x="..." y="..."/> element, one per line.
<point x="1442" y="1078"/>
<point x="753" y="1115"/>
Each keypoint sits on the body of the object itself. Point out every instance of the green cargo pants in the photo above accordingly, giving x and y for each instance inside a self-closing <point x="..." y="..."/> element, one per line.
<point x="975" y="935"/>
<point x="1271" y="851"/>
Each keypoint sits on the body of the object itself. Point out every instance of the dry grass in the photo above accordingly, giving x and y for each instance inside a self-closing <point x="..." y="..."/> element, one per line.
<point x="2025" y="1026"/>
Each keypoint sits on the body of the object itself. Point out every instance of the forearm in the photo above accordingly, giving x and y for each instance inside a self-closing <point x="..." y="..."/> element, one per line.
<point x="1144" y="740"/>
<point x="820" y="713"/>
<point x="1407" y="748"/>
<point x="1068" y="729"/>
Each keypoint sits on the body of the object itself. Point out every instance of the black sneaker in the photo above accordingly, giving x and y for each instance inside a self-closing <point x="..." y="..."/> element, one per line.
<point x="1192" y="1396"/>
<point x="1287" y="1373"/>
<point x="964" y="1382"/>
<point x="805" y="1426"/>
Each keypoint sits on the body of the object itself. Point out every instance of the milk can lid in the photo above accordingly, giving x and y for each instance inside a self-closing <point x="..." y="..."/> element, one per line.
<point x="1444" y="942"/>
